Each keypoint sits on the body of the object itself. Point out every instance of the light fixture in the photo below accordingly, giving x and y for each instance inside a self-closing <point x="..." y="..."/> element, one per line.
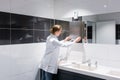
<point x="75" y="15"/>
<point x="105" y="6"/>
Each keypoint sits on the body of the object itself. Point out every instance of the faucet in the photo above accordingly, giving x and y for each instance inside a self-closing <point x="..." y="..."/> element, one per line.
<point x="87" y="61"/>
<point x="90" y="64"/>
<point x="96" y="64"/>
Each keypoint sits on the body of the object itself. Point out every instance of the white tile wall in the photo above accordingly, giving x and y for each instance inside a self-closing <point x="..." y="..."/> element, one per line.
<point x="40" y="8"/>
<point x="106" y="55"/>
<point x="20" y="62"/>
<point x="5" y="5"/>
<point x="4" y="62"/>
<point x="73" y="53"/>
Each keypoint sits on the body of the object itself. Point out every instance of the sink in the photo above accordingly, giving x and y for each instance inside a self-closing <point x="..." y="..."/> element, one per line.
<point x="86" y="67"/>
<point x="114" y="73"/>
<point x="80" y="66"/>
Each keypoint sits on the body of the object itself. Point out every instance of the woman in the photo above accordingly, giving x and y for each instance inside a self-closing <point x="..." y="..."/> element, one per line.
<point x="49" y="63"/>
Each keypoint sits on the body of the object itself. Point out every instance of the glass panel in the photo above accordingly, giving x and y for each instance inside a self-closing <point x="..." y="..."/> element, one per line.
<point x="4" y="36"/>
<point x="21" y="21"/>
<point x="21" y="36"/>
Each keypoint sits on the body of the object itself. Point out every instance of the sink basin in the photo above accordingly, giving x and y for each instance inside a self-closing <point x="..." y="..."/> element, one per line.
<point x="86" y="67"/>
<point x="80" y="66"/>
<point x="114" y="73"/>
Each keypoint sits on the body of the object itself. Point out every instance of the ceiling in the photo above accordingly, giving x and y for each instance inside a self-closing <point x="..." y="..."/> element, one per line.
<point x="86" y="7"/>
<point x="95" y="5"/>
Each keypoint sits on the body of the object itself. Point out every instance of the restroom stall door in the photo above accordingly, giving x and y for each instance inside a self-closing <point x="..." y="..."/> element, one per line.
<point x="105" y="32"/>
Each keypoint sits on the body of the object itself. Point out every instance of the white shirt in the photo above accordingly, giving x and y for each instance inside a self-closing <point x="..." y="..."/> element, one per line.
<point x="49" y="62"/>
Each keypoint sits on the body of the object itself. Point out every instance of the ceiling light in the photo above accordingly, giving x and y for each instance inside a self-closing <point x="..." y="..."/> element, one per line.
<point x="75" y="15"/>
<point x="105" y="6"/>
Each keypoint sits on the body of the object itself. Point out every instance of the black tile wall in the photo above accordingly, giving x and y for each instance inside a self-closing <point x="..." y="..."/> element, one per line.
<point x="118" y="31"/>
<point x="42" y="24"/>
<point x="21" y="21"/>
<point x="4" y="36"/>
<point x="19" y="29"/>
<point x="40" y="36"/>
<point x="21" y="36"/>
<point x="4" y="20"/>
<point x="4" y="28"/>
<point x="52" y="22"/>
<point x="64" y="24"/>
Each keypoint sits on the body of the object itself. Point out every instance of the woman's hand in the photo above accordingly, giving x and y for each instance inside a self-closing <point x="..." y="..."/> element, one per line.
<point x="77" y="39"/>
<point x="67" y="38"/>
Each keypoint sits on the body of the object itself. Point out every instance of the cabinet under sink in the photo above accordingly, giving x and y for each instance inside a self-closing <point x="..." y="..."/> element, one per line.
<point x="67" y="75"/>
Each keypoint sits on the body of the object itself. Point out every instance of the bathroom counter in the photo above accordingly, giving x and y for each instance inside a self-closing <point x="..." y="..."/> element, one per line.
<point x="102" y="72"/>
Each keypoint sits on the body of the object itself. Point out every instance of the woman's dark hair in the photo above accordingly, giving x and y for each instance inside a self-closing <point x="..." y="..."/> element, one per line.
<point x="55" y="28"/>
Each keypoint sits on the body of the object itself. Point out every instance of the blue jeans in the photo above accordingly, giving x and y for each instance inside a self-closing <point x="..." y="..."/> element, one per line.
<point x="46" y="75"/>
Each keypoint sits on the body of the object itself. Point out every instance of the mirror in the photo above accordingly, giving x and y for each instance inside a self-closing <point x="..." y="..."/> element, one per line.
<point x="103" y="28"/>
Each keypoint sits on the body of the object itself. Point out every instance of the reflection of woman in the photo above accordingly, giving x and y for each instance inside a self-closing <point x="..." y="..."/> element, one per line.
<point x="49" y="63"/>
<point x="75" y="33"/>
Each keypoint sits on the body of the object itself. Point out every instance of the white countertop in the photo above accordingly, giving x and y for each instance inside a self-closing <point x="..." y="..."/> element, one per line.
<point x="100" y="72"/>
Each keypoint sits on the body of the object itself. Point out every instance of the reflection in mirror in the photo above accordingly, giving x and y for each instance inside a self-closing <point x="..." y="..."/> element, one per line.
<point x="77" y="29"/>
<point x="103" y="28"/>
<point x="91" y="31"/>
